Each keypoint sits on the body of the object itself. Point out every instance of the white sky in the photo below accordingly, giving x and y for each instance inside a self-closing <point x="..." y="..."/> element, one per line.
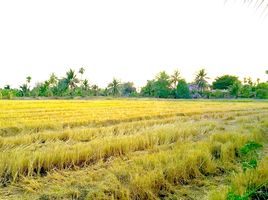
<point x="130" y="40"/>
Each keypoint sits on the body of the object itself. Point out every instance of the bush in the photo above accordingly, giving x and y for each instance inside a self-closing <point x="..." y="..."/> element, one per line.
<point x="217" y="94"/>
<point x="262" y="94"/>
<point x="247" y="91"/>
<point x="262" y="91"/>
<point x="10" y="95"/>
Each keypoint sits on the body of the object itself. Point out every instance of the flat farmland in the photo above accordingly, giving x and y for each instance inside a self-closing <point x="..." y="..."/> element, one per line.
<point x="133" y="149"/>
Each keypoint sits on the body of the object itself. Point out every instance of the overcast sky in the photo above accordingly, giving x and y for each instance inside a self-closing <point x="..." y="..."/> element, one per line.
<point x="130" y="40"/>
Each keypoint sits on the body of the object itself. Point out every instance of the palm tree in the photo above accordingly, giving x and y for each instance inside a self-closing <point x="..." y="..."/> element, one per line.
<point x="85" y="85"/>
<point x="175" y="77"/>
<point x="24" y="89"/>
<point x="28" y="79"/>
<point x="71" y="79"/>
<point x="200" y="80"/>
<point x="258" y="81"/>
<point x="81" y="71"/>
<point x="95" y="90"/>
<point x="114" y="87"/>
<point x="53" y="79"/>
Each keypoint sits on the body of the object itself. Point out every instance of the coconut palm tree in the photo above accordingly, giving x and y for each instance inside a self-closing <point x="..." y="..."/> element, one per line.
<point x="28" y="79"/>
<point x="53" y="80"/>
<point x="201" y="80"/>
<point x="24" y="89"/>
<point x="95" y="90"/>
<point x="81" y="71"/>
<point x="71" y="79"/>
<point x="174" y="78"/>
<point x="85" y="85"/>
<point x="114" y="87"/>
<point x="258" y="81"/>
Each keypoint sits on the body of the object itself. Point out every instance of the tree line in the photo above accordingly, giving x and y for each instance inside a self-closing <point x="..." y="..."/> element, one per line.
<point x="163" y="85"/>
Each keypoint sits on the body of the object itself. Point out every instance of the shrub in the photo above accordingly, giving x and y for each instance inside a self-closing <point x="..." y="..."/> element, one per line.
<point x="217" y="94"/>
<point x="262" y="94"/>
<point x="10" y="95"/>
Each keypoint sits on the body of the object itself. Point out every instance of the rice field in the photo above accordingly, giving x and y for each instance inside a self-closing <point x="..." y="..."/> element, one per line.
<point x="133" y="149"/>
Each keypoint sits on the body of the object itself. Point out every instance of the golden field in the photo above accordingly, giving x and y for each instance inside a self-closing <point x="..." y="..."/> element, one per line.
<point x="133" y="149"/>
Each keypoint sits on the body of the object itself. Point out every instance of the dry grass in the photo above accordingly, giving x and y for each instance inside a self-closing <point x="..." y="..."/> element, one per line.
<point x="128" y="149"/>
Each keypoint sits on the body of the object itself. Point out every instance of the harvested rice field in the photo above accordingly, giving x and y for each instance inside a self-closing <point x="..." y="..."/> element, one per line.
<point x="133" y="149"/>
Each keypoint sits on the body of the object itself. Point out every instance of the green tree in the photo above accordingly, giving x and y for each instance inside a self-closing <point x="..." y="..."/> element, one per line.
<point x="162" y="85"/>
<point x="128" y="89"/>
<point x="182" y="90"/>
<point x="224" y="82"/>
<point x="24" y="88"/>
<point x="262" y="91"/>
<point x="148" y="90"/>
<point x="62" y="88"/>
<point x="7" y="87"/>
<point x="114" y="87"/>
<point x="201" y="80"/>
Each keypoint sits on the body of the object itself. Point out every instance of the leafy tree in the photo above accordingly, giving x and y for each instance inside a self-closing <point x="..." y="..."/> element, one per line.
<point x="182" y="90"/>
<point x="235" y="89"/>
<point x="103" y="92"/>
<point x="224" y="82"/>
<point x="162" y="85"/>
<point x="201" y="80"/>
<point x="174" y="78"/>
<point x="114" y="87"/>
<point x="148" y="90"/>
<point x="247" y="91"/>
<point x="128" y="89"/>
<point x="262" y="91"/>
<point x="62" y="88"/>
<point x="7" y="87"/>
<point x="44" y="88"/>
<point x="262" y="94"/>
